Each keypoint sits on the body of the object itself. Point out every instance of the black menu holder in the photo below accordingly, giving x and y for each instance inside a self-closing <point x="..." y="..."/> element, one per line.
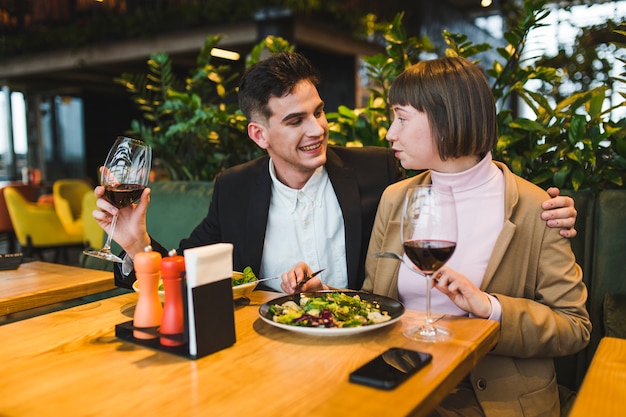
<point x="213" y="316"/>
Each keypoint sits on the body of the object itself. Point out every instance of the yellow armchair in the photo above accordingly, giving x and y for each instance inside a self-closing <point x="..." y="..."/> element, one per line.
<point x="68" y="202"/>
<point x="93" y="234"/>
<point x="6" y="227"/>
<point x="37" y="226"/>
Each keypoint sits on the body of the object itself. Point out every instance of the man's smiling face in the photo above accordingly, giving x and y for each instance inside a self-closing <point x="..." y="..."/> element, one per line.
<point x="296" y="134"/>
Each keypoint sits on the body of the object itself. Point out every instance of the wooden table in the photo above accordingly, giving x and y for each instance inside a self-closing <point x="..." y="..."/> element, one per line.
<point x="603" y="392"/>
<point x="38" y="284"/>
<point x="71" y="361"/>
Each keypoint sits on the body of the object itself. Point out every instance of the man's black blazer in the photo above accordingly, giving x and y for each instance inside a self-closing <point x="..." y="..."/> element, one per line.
<point x="241" y="198"/>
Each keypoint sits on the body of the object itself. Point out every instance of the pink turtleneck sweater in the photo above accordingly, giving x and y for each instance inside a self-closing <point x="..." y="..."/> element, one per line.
<point x="479" y="197"/>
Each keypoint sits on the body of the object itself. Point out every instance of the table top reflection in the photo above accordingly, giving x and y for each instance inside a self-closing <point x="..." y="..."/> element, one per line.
<point x="37" y="284"/>
<point x="71" y="360"/>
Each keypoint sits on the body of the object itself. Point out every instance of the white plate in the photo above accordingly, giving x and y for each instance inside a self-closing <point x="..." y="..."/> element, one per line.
<point x="393" y="307"/>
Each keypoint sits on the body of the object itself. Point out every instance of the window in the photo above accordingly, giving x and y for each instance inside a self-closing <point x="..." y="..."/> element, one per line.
<point x="13" y="135"/>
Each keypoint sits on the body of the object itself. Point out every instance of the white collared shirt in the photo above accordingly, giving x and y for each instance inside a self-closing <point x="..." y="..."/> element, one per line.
<point x="305" y="225"/>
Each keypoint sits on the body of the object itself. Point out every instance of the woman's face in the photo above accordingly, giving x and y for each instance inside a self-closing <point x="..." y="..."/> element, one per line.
<point x="411" y="139"/>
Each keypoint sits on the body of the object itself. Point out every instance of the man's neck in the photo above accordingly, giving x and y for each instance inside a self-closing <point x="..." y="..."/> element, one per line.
<point x="293" y="179"/>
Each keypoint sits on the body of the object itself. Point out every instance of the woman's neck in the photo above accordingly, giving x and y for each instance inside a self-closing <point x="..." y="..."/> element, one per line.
<point x="454" y="165"/>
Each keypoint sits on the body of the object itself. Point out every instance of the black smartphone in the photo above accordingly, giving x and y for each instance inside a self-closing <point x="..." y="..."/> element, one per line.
<point x="390" y="368"/>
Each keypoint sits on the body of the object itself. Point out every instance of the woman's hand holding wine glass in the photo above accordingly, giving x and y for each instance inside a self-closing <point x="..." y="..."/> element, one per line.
<point x="429" y="233"/>
<point x="124" y="176"/>
<point x="463" y="292"/>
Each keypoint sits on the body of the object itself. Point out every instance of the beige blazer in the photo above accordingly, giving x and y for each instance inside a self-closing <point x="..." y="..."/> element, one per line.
<point x="533" y="273"/>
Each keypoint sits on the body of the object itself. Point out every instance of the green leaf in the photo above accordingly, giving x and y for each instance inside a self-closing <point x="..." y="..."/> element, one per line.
<point x="541" y="177"/>
<point x="594" y="106"/>
<point x="578" y="178"/>
<point x="576" y="130"/>
<point x="528" y="125"/>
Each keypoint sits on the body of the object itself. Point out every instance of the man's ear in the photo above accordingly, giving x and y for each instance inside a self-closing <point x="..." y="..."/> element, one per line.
<point x="258" y="133"/>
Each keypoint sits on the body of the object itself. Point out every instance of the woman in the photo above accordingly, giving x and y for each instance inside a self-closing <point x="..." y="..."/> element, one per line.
<point x="508" y="265"/>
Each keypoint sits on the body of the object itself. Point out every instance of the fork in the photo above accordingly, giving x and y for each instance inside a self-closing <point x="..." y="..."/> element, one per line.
<point x="305" y="279"/>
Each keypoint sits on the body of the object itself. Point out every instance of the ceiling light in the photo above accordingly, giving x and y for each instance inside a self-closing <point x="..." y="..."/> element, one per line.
<point x="223" y="53"/>
<point x="485" y="3"/>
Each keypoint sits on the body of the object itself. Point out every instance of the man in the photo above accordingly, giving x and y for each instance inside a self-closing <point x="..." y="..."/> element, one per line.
<point x="304" y="201"/>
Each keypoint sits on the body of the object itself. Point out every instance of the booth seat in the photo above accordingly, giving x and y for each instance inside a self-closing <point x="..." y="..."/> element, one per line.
<point x="599" y="247"/>
<point x="607" y="273"/>
<point x="176" y="208"/>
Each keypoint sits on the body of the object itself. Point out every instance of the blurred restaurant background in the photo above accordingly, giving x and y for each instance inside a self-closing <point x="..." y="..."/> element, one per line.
<point x="60" y="109"/>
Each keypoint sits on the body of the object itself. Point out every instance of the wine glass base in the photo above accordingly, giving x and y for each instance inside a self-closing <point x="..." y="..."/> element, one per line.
<point x="107" y="256"/>
<point x="428" y="335"/>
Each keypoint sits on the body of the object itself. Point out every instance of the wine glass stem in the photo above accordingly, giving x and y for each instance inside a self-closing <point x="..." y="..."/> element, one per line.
<point x="429" y="319"/>
<point x="107" y="245"/>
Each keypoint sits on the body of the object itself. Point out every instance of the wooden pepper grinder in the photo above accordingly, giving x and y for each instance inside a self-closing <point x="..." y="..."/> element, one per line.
<point x="172" y="323"/>
<point x="149" y="310"/>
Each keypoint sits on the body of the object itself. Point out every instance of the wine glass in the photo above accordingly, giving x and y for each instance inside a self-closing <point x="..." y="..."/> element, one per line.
<point x="428" y="232"/>
<point x="124" y="176"/>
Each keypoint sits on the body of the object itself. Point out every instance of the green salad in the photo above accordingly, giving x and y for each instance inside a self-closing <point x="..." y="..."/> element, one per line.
<point x="333" y="309"/>
<point x="248" y="276"/>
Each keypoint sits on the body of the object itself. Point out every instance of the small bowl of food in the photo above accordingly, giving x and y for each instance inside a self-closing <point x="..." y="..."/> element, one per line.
<point x="243" y="284"/>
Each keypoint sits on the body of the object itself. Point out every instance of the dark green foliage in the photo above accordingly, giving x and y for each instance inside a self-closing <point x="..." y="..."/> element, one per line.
<point x="368" y="126"/>
<point x="194" y="126"/>
<point x="571" y="142"/>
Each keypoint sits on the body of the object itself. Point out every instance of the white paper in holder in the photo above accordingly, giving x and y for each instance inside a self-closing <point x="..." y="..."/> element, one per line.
<point x="203" y="265"/>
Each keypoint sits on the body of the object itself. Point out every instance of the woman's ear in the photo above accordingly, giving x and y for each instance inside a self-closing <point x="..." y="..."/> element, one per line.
<point x="258" y="134"/>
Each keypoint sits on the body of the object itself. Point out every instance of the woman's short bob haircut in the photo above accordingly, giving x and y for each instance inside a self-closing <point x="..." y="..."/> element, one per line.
<point x="458" y="101"/>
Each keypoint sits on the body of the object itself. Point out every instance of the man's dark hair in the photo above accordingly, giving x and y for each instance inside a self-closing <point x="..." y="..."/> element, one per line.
<point x="275" y="76"/>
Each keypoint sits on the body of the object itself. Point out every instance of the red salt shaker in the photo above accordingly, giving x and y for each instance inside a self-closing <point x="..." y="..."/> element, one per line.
<point x="172" y="322"/>
<point x="149" y="310"/>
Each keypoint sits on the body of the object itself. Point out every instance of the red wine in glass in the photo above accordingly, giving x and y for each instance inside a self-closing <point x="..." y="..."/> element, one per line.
<point x="429" y="255"/>
<point x="124" y="176"/>
<point x="123" y="195"/>
<point x="429" y="234"/>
